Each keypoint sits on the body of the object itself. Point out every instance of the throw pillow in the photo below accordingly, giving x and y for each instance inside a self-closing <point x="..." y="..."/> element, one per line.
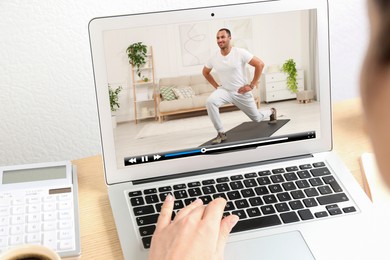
<point x="167" y="93"/>
<point x="184" y="92"/>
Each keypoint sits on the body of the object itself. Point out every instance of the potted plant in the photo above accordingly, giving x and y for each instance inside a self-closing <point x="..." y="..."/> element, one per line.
<point x="114" y="102"/>
<point x="137" y="53"/>
<point x="289" y="67"/>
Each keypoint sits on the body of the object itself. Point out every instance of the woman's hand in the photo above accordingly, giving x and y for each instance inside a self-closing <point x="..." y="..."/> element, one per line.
<point x="197" y="231"/>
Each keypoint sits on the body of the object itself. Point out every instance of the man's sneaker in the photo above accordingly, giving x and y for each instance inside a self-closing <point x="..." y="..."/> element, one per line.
<point x="273" y="118"/>
<point x="220" y="137"/>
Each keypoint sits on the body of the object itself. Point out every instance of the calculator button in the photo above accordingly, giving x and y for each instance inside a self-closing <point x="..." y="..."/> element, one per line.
<point x="64" y="215"/>
<point x="4" y="221"/>
<point x="65" y="244"/>
<point x="3" y="241"/>
<point x="4" y="211"/>
<point x="49" y="198"/>
<point x="33" y="208"/>
<point x="65" y="234"/>
<point x="33" y="218"/>
<point x="33" y="228"/>
<point x="33" y="200"/>
<point x="17" y="201"/>
<point x="64" y="205"/>
<point x="64" y="224"/>
<point x="15" y="220"/>
<point x="66" y="196"/>
<point x="47" y="216"/>
<point x="49" y="239"/>
<point x="16" y="230"/>
<point x="33" y="238"/>
<point x="48" y="226"/>
<point x="49" y="206"/>
<point x="4" y="231"/>
<point x="18" y="210"/>
<point x="16" y="240"/>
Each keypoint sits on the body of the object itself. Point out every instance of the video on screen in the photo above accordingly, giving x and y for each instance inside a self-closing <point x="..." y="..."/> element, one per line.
<point x="179" y="87"/>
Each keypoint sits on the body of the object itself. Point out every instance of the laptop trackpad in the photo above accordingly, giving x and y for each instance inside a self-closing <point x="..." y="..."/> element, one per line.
<point x="289" y="245"/>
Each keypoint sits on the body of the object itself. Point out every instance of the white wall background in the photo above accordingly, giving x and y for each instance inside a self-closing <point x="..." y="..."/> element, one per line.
<point x="47" y="100"/>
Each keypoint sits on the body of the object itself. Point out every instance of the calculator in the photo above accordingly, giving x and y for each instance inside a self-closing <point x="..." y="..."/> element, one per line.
<point x="39" y="205"/>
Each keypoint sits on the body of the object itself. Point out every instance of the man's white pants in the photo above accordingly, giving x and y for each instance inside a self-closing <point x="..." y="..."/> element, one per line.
<point x="245" y="102"/>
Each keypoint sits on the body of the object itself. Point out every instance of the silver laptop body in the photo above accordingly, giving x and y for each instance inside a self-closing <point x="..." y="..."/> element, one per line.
<point x="274" y="31"/>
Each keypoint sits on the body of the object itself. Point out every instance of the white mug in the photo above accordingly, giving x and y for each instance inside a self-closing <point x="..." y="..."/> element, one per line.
<point x="30" y="252"/>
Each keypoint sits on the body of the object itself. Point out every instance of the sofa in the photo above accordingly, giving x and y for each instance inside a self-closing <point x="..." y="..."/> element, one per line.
<point x="185" y="94"/>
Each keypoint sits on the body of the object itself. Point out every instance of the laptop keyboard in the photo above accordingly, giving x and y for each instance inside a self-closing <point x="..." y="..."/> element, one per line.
<point x="260" y="199"/>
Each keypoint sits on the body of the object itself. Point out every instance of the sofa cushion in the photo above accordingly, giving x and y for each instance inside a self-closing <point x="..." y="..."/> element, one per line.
<point x="203" y="88"/>
<point x="167" y="93"/>
<point x="175" y="105"/>
<point x="184" y="92"/>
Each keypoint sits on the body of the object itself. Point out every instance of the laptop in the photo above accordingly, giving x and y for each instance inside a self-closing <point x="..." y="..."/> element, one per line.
<point x="294" y="197"/>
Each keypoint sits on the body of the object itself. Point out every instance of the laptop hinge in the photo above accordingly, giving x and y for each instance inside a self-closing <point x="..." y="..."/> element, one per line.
<point x="219" y="169"/>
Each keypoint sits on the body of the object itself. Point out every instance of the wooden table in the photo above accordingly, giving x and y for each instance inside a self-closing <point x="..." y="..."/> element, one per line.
<point x="99" y="239"/>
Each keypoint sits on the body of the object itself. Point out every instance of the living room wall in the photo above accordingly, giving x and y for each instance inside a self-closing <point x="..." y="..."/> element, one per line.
<point x="272" y="38"/>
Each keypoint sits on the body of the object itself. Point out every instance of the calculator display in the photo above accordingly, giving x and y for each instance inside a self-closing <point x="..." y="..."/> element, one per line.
<point x="35" y="174"/>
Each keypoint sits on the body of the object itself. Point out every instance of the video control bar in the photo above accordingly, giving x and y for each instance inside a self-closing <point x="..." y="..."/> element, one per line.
<point x="148" y="158"/>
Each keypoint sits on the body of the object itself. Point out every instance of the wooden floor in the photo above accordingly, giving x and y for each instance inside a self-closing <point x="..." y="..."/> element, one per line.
<point x="148" y="137"/>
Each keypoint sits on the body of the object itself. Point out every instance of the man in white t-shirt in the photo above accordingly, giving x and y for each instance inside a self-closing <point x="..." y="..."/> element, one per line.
<point x="230" y="64"/>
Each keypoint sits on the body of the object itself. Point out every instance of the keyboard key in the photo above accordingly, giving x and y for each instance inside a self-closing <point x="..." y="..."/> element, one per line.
<point x="254" y="223"/>
<point x="147" y="230"/>
<point x="288" y="186"/>
<point x="310" y="202"/>
<point x="137" y="201"/>
<point x="275" y="188"/>
<point x="289" y="217"/>
<point x="178" y="204"/>
<point x="263" y="180"/>
<point x="147" y="220"/>
<point x="195" y="192"/>
<point x="277" y="171"/>
<point x="164" y="195"/>
<point x="189" y="201"/>
<point x="311" y="192"/>
<point x="267" y="209"/>
<point x="143" y="210"/>
<point x="264" y="173"/>
<point x="150" y="191"/>
<point x="333" y="183"/>
<point x="240" y="213"/>
<point x="206" y="199"/>
<point x="304" y="174"/>
<point x="277" y="178"/>
<point x="316" y="182"/>
<point x="208" y="189"/>
<point x="222" y="187"/>
<point x="234" y="195"/>
<point x="256" y="201"/>
<point x="180" y="194"/>
<point x="250" y="183"/>
<point x="334" y="198"/>
<point x="147" y="241"/>
<point x="321" y="214"/>
<point x="253" y="212"/>
<point x="349" y="209"/>
<point x="325" y="190"/>
<point x="240" y="204"/>
<point x="282" y="207"/>
<point x="194" y="184"/>
<point x="333" y="209"/>
<point x="220" y="195"/>
<point x="261" y="190"/>
<point x="284" y="196"/>
<point x="229" y="206"/>
<point x="150" y="199"/>
<point x="296" y="204"/>
<point x="291" y="176"/>
<point x="248" y="193"/>
<point x="305" y="166"/>
<point x="236" y="185"/>
<point x="179" y="186"/>
<point x="250" y="175"/>
<point x="305" y="214"/>
<point x="297" y="194"/>
<point x="208" y="182"/>
<point x="320" y="171"/>
<point x="292" y="169"/>
<point x="269" y="199"/>
<point x="302" y="184"/>
<point x="165" y="189"/>
<point x="318" y="164"/>
<point x="223" y="179"/>
<point x="135" y="193"/>
<point x="236" y="177"/>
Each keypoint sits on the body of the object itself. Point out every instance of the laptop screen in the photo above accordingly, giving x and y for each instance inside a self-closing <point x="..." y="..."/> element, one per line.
<point x="163" y="116"/>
